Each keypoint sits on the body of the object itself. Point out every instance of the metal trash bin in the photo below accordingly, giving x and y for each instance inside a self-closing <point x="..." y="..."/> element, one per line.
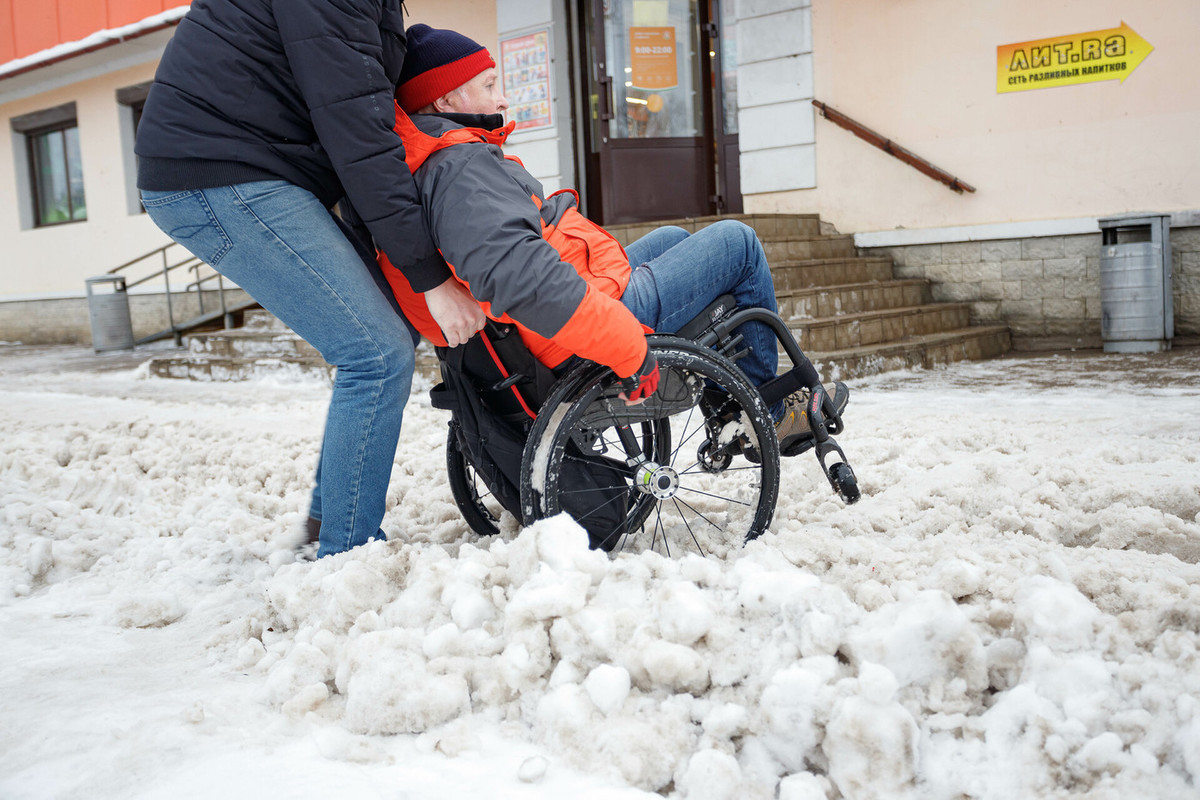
<point x="109" y="314"/>
<point x="1136" y="305"/>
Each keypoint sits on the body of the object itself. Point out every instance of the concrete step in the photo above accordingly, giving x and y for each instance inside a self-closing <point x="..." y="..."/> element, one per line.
<point x="769" y="227"/>
<point x="852" y="298"/>
<point x="918" y="352"/>
<point x="793" y="274"/>
<point x="270" y="349"/>
<point x="259" y="319"/>
<point x="265" y="342"/>
<point x="877" y="327"/>
<point x="785" y="237"/>
<point x="804" y="249"/>
<point x="203" y="367"/>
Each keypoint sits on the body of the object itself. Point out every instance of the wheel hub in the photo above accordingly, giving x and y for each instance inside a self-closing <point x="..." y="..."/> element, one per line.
<point x="658" y="480"/>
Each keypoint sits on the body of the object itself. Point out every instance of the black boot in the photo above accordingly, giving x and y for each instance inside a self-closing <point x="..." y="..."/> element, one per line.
<point x="307" y="550"/>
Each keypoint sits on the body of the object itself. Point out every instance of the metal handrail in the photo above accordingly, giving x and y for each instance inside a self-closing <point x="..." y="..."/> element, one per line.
<point x="198" y="285"/>
<point x="193" y="265"/>
<point x="893" y="149"/>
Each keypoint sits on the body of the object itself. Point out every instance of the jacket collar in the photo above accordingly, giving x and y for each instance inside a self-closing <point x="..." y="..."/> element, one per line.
<point x="488" y="122"/>
<point x="424" y="134"/>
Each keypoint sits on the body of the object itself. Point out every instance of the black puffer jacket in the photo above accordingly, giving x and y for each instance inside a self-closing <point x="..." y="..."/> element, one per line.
<point x="294" y="89"/>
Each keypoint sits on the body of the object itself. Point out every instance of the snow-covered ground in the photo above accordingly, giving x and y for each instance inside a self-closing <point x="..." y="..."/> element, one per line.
<point x="1011" y="611"/>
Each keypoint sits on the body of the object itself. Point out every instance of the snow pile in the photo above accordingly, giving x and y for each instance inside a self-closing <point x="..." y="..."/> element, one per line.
<point x="1011" y="611"/>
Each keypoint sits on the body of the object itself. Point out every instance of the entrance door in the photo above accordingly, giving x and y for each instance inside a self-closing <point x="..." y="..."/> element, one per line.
<point x="657" y="138"/>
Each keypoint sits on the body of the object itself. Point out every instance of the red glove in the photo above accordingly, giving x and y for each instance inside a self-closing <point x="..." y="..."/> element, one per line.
<point x="641" y="384"/>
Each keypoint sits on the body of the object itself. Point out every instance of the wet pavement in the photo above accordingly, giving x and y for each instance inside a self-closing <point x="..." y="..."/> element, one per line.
<point x="1179" y="367"/>
<point x="21" y="359"/>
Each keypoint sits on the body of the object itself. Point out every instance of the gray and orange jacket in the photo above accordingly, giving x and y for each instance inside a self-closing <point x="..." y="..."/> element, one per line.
<point x="528" y="259"/>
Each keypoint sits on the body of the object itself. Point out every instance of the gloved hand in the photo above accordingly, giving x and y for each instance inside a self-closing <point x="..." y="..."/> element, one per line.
<point x="641" y="384"/>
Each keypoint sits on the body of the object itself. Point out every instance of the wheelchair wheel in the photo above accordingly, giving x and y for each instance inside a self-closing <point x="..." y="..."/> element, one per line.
<point x="680" y="479"/>
<point x="479" y="508"/>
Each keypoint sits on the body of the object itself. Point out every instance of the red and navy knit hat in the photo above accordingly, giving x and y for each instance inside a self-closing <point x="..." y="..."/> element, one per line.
<point x="437" y="62"/>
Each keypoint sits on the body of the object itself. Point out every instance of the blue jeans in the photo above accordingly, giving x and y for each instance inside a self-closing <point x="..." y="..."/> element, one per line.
<point x="277" y="241"/>
<point x="676" y="275"/>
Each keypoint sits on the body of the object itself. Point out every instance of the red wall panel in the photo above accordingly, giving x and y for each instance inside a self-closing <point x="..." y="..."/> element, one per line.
<point x="123" y="12"/>
<point x="77" y="20"/>
<point x="35" y="26"/>
<point x="8" y="43"/>
<point x="28" y="26"/>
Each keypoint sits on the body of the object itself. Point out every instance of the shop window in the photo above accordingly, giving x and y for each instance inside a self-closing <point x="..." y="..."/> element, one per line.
<point x="55" y="168"/>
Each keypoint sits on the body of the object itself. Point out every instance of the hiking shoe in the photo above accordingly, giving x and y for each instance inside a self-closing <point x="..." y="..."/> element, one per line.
<point x="793" y="428"/>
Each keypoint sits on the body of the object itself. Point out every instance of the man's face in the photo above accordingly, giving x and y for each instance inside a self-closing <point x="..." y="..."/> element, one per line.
<point x="480" y="95"/>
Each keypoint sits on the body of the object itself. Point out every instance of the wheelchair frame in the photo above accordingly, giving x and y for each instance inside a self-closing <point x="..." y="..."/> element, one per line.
<point x="699" y="371"/>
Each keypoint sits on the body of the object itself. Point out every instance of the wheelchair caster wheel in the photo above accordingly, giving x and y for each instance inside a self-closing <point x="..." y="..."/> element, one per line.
<point x="713" y="460"/>
<point x="844" y="482"/>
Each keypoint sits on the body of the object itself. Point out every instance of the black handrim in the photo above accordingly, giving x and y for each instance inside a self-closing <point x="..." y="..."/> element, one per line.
<point x="480" y="510"/>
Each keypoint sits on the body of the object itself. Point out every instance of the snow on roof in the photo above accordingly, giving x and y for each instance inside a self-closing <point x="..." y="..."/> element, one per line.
<point x="95" y="41"/>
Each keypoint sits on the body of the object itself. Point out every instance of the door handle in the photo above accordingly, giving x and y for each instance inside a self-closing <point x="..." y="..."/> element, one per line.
<point x="605" y="84"/>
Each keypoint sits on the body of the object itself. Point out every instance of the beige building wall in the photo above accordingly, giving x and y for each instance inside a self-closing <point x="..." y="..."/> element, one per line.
<point x="474" y="18"/>
<point x="55" y="261"/>
<point x="924" y="74"/>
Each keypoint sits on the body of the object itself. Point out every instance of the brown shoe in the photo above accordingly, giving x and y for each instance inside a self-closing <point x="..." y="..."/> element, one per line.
<point x="793" y="426"/>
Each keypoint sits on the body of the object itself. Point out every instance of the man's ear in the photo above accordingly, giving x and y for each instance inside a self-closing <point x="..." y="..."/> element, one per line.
<point x="443" y="104"/>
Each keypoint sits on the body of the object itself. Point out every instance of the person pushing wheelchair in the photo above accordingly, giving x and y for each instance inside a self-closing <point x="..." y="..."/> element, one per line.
<point x="535" y="261"/>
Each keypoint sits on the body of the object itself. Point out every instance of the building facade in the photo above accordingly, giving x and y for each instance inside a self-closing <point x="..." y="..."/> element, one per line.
<point x="1035" y="121"/>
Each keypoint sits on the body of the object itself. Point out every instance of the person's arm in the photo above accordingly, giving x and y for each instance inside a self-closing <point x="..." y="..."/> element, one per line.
<point x="335" y="50"/>
<point x="488" y="228"/>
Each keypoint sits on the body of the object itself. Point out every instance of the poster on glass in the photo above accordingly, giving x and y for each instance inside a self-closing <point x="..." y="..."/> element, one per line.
<point x="525" y="71"/>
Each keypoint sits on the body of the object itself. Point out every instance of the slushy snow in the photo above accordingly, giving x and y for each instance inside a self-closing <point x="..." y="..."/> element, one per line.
<point x="1010" y="612"/>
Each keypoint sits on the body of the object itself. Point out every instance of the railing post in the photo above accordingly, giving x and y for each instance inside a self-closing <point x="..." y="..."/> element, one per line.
<point x="226" y="316"/>
<point x="170" y="310"/>
<point x="195" y="270"/>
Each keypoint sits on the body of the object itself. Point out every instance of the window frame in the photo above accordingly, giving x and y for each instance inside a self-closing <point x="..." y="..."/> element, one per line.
<point x="132" y="99"/>
<point x="32" y="127"/>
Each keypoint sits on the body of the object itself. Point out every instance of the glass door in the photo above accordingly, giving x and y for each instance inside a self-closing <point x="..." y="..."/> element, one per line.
<point x="652" y="109"/>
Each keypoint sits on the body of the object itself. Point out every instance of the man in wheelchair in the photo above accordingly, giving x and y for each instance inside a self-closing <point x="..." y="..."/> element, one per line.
<point x="534" y="261"/>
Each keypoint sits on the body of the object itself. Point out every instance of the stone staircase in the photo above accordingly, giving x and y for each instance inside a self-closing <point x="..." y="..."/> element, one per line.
<point x="261" y="346"/>
<point x="849" y="313"/>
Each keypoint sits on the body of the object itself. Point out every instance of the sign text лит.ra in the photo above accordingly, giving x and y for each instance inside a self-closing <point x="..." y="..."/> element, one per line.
<point x="1068" y="60"/>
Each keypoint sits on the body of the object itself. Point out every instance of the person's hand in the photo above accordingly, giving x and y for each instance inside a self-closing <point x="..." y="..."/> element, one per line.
<point x="641" y="384"/>
<point x="455" y="311"/>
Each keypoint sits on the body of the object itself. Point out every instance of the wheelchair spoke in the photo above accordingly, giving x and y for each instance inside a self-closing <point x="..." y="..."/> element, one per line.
<point x="675" y="486"/>
<point x="691" y="533"/>
<point x="658" y="529"/>
<point x="744" y="468"/>
<point x="698" y="513"/>
<point x="687" y="436"/>
<point x="699" y="429"/>
<point x="714" y="496"/>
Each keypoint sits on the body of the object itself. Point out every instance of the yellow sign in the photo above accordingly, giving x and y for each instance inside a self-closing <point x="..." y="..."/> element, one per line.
<point x="1068" y="60"/>
<point x="652" y="58"/>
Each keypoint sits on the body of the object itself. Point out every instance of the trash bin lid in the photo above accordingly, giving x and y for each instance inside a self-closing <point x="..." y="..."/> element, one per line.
<point x="1132" y="219"/>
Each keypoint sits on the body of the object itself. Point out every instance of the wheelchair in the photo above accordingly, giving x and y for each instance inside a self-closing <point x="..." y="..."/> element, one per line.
<point x="694" y="468"/>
